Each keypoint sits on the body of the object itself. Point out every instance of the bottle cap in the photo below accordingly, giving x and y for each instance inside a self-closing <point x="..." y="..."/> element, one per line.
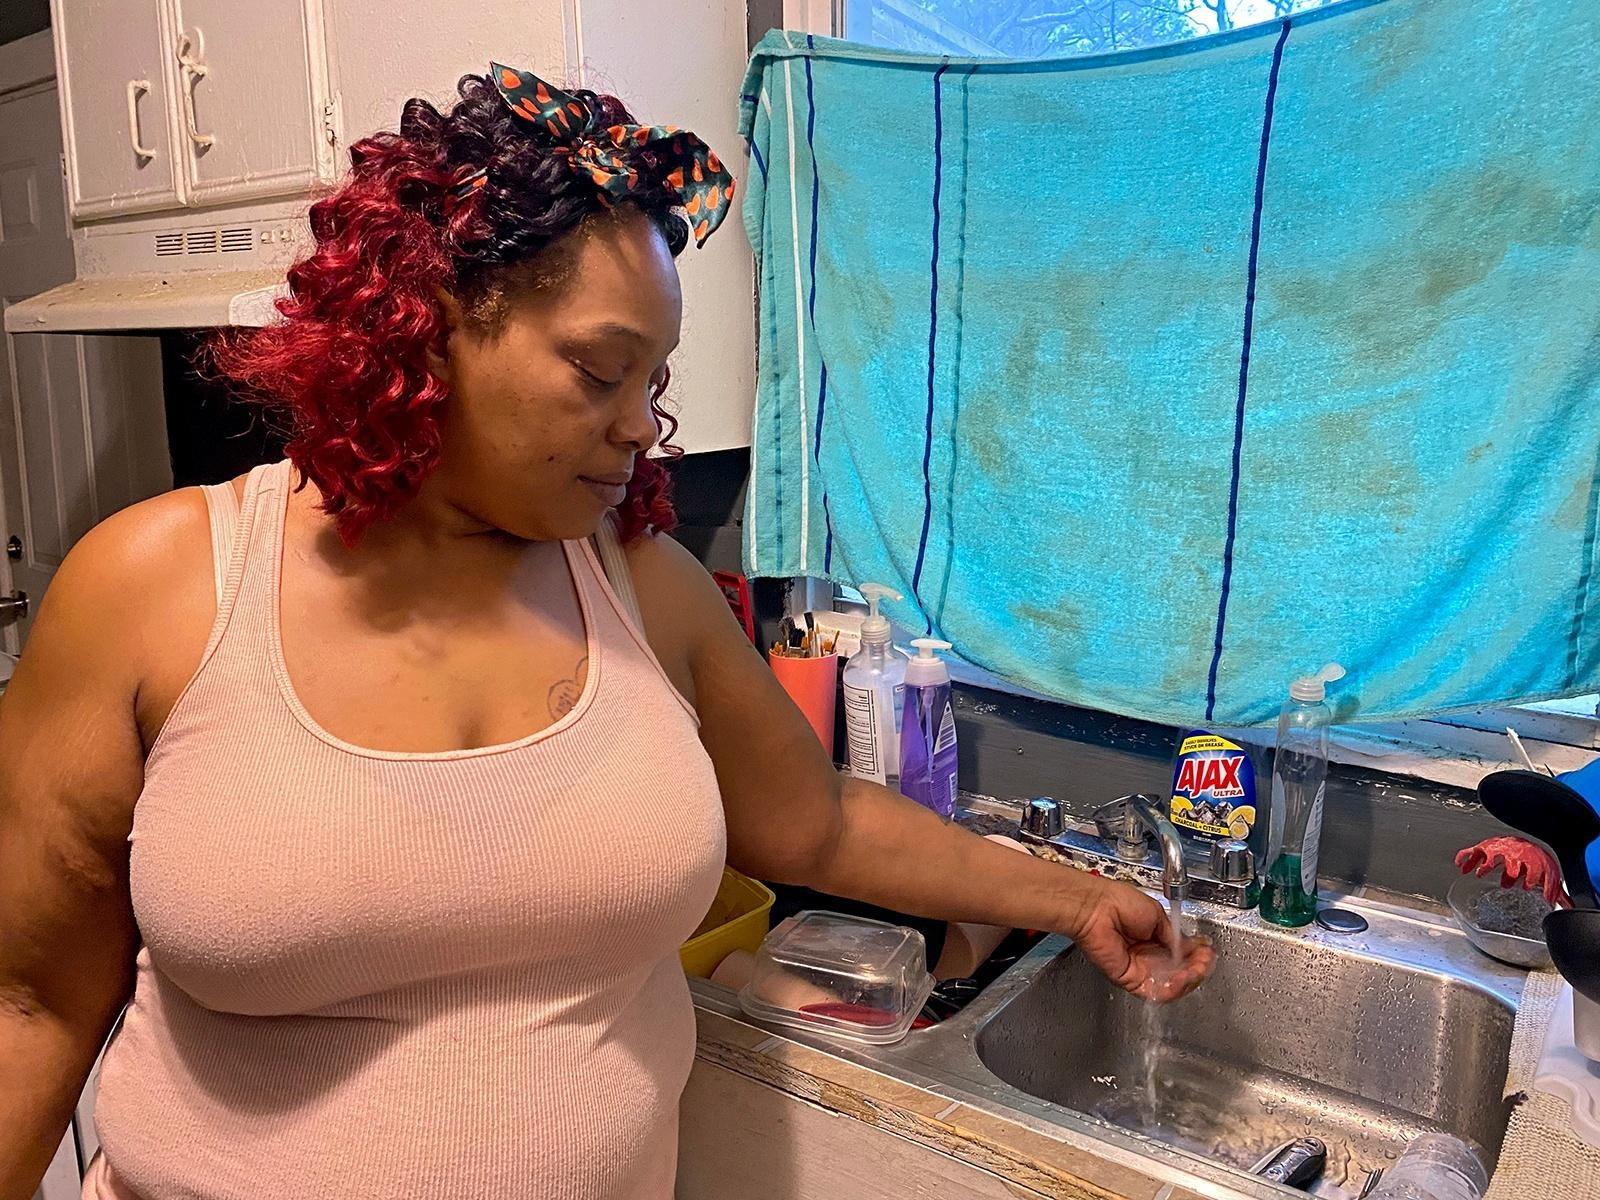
<point x="926" y="668"/>
<point x="1313" y="689"/>
<point x="875" y="628"/>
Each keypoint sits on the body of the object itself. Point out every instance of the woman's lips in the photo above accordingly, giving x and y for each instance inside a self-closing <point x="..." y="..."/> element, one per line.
<point x="611" y="489"/>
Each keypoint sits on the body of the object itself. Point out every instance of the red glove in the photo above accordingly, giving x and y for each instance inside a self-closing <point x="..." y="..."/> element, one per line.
<point x="1520" y="863"/>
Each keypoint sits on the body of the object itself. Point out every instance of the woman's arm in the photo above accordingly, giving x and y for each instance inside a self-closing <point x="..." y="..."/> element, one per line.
<point x="71" y="766"/>
<point x="793" y="819"/>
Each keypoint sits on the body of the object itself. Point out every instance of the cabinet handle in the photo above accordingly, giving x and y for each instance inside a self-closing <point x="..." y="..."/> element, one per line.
<point x="190" y="51"/>
<point x="137" y="88"/>
<point x="13" y="607"/>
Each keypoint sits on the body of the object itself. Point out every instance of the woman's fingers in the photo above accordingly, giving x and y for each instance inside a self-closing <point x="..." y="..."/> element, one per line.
<point x="1160" y="979"/>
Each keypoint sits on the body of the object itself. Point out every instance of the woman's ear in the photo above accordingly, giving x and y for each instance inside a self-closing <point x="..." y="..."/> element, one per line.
<point x="439" y="348"/>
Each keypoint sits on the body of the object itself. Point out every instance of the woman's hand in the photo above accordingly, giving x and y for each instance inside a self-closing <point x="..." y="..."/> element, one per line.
<point x="1128" y="936"/>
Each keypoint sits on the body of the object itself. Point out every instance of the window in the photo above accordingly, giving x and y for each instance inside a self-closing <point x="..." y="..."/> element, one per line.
<point x="1560" y="735"/>
<point x="1050" y="28"/>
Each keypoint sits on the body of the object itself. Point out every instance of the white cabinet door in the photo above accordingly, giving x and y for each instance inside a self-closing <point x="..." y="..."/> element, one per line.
<point x="251" y="95"/>
<point x="112" y="60"/>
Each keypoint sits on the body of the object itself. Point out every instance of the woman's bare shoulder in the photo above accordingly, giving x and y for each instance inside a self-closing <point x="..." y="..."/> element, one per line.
<point x="136" y="588"/>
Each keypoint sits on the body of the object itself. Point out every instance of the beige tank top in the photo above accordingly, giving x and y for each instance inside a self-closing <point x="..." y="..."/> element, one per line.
<point x="378" y="974"/>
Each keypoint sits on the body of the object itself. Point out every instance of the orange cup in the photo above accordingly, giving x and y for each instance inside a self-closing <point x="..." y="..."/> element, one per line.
<point x="813" y="684"/>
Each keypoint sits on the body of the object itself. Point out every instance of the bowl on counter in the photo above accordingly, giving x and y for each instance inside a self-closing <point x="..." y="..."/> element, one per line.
<point x="1505" y="923"/>
<point x="738" y="920"/>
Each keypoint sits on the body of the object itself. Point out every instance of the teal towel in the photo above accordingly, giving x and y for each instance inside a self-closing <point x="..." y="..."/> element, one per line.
<point x="1156" y="379"/>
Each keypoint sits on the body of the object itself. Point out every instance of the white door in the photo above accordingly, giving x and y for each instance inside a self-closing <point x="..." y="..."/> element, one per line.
<point x="113" y="66"/>
<point x="82" y="419"/>
<point x="251" y="95"/>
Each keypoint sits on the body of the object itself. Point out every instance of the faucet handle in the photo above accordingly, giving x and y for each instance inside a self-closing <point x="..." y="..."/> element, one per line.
<point x="1120" y="821"/>
<point x="1232" y="862"/>
<point x="1111" y="818"/>
<point x="1041" y="818"/>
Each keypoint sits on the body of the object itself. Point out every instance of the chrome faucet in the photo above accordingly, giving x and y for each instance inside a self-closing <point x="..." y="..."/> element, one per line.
<point x="1141" y="815"/>
<point x="1115" y="842"/>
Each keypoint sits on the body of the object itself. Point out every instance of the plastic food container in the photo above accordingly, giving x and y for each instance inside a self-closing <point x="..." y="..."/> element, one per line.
<point x="847" y="977"/>
<point x="1466" y="897"/>
<point x="738" y="920"/>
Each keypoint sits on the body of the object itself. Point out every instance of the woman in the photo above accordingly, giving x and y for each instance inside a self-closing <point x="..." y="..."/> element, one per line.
<point x="418" y="816"/>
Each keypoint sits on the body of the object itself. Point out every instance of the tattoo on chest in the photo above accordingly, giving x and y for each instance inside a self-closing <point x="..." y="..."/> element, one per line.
<point x="564" y="693"/>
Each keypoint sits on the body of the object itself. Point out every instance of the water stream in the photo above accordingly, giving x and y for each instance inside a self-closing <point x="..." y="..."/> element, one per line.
<point x="1153" y="1024"/>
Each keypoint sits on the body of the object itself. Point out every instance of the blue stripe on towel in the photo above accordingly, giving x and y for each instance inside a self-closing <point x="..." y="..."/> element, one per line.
<point x="822" y="361"/>
<point x="1244" y="367"/>
<point x="933" y="332"/>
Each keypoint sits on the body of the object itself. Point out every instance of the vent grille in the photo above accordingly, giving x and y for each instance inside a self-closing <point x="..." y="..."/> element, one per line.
<point x="238" y="239"/>
<point x="201" y="241"/>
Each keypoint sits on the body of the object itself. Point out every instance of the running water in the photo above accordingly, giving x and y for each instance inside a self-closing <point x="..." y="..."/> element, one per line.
<point x="1151" y="1036"/>
<point x="1176" y="932"/>
<point x="1153" y="1033"/>
<point x="1147" y="1100"/>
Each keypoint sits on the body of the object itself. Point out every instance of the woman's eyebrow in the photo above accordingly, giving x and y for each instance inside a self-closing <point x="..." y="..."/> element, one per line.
<point x="614" y="329"/>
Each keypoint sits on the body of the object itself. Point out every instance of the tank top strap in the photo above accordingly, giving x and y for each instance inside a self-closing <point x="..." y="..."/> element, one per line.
<point x="619" y="624"/>
<point x="614" y="562"/>
<point x="222" y="511"/>
<point x="241" y="532"/>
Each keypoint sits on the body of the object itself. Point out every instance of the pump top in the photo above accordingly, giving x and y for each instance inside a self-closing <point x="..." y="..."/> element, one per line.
<point x="875" y="629"/>
<point x="927" y="667"/>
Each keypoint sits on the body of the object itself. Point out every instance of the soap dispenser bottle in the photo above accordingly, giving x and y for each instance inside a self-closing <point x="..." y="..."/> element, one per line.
<point x="874" y="682"/>
<point x="928" y="732"/>
<point x="1299" y="780"/>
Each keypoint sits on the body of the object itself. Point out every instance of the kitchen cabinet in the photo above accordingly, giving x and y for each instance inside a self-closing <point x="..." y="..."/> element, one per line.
<point x="111" y="64"/>
<point x="251" y="97"/>
<point x="181" y="103"/>
<point x="196" y="130"/>
<point x="739" y="1138"/>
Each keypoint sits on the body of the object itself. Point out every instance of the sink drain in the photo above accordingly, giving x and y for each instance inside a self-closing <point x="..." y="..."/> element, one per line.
<point x="1341" y="920"/>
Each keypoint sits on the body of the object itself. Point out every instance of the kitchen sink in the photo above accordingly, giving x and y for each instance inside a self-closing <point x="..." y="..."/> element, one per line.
<point x="1360" y="1040"/>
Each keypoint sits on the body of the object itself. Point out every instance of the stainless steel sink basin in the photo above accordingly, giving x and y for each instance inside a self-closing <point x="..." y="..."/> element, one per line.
<point x="1362" y="1041"/>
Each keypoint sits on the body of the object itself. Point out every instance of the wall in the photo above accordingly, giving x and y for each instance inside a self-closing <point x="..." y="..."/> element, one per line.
<point x="1392" y="833"/>
<point x="19" y="18"/>
<point x="673" y="62"/>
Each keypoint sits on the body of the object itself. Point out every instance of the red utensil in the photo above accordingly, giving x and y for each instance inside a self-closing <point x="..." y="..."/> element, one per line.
<point x="859" y="1014"/>
<point x="1520" y="862"/>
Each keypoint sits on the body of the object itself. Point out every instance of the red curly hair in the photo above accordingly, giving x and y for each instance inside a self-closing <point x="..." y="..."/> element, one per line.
<point x="347" y="365"/>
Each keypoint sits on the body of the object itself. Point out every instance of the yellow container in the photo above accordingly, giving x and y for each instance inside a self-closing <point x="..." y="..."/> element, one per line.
<point x="738" y="920"/>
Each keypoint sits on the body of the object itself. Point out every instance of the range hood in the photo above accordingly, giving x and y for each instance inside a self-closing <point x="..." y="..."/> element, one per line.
<point x="180" y="300"/>
<point x="187" y="271"/>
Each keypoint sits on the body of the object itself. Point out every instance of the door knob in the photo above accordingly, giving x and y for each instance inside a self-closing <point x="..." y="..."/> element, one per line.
<point x="13" y="607"/>
<point x="14" y="549"/>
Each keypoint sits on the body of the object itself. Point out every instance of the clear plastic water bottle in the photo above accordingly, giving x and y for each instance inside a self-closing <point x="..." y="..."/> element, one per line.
<point x="1299" y="779"/>
<point x="1435" y="1167"/>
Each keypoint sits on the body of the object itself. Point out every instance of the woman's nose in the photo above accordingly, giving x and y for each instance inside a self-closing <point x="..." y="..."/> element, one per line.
<point x="636" y="426"/>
